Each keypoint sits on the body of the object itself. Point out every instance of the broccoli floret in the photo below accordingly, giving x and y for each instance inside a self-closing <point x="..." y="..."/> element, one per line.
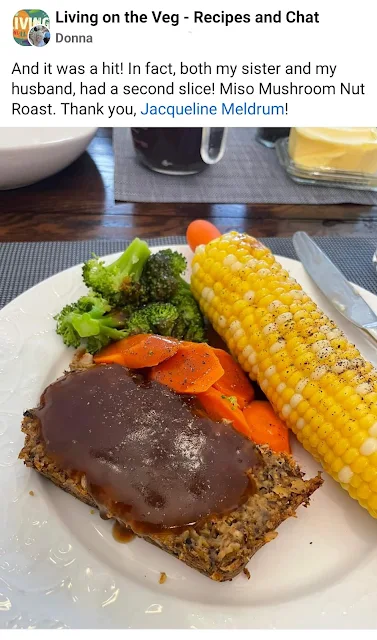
<point x="90" y="321"/>
<point x="157" y="317"/>
<point x="118" y="282"/>
<point x="162" y="275"/>
<point x="65" y="328"/>
<point x="190" y="323"/>
<point x="162" y="281"/>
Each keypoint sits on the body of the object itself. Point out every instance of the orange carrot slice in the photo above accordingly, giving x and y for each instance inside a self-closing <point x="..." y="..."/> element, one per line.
<point x="201" y="232"/>
<point x="137" y="352"/>
<point x="115" y="358"/>
<point x="220" y="407"/>
<point x="193" y="369"/>
<point x="265" y="427"/>
<point x="234" y="382"/>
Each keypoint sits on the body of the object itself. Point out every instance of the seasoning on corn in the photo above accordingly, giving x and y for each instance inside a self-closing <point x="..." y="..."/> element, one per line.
<point x="315" y="379"/>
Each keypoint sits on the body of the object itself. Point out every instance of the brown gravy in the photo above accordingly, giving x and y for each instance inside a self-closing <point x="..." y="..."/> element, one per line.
<point x="149" y="459"/>
<point x="121" y="533"/>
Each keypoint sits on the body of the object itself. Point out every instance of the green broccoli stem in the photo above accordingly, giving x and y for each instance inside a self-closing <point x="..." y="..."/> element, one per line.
<point x="132" y="260"/>
<point x="114" y="334"/>
<point x="86" y="325"/>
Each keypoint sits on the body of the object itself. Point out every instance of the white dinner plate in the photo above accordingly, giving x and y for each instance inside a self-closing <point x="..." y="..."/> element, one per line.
<point x="61" y="567"/>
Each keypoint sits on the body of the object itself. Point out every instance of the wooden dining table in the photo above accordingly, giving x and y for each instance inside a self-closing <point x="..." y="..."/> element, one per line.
<point x="78" y="204"/>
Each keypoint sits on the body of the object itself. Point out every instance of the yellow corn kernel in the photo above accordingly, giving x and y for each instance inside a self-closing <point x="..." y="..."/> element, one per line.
<point x="358" y="438"/>
<point x="322" y="448"/>
<point x="369" y="474"/>
<point x="355" y="481"/>
<point x="239" y="306"/>
<point x="350" y="455"/>
<point x="348" y="428"/>
<point x="287" y="394"/>
<point x="359" y="465"/>
<point x="341" y="447"/>
<point x="343" y="394"/>
<point x="366" y="422"/>
<point x="314" y="441"/>
<point x="333" y="439"/>
<point x="328" y="458"/>
<point x="324" y="431"/>
<point x="281" y="361"/>
<point x="337" y="465"/>
<point x="315" y="420"/>
<point x="363" y="492"/>
<point x="334" y="413"/>
<point x="303" y="407"/>
<point x="373" y="485"/>
<point x="370" y="398"/>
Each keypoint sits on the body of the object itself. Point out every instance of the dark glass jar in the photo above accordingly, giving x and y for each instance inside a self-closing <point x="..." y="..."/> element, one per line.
<point x="178" y="151"/>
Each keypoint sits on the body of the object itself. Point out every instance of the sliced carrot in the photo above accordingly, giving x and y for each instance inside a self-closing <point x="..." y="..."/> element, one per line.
<point x="115" y="358"/>
<point x="193" y="369"/>
<point x="234" y="382"/>
<point x="220" y="407"/>
<point x="201" y="232"/>
<point x="137" y="352"/>
<point x="265" y="427"/>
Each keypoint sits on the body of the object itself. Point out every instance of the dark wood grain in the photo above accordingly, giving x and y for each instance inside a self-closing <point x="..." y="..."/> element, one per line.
<point x="78" y="204"/>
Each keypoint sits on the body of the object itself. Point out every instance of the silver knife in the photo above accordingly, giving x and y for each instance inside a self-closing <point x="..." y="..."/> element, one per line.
<point x="334" y="285"/>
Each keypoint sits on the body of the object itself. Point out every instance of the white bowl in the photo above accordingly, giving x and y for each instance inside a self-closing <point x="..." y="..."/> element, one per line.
<point x="28" y="155"/>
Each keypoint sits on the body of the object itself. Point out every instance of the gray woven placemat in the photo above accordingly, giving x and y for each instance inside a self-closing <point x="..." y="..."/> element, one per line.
<point x="248" y="173"/>
<point x="25" y="264"/>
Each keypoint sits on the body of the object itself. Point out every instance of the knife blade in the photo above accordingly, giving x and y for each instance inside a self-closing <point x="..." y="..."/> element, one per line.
<point x="333" y="283"/>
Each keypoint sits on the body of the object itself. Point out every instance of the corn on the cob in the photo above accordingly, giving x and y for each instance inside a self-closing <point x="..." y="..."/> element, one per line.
<point x="315" y="379"/>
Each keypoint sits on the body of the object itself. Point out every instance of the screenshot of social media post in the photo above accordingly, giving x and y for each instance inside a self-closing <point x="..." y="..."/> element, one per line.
<point x="188" y="317"/>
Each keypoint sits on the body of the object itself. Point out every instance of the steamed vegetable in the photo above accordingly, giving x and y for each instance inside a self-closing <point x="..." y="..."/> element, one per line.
<point x="90" y="320"/>
<point x="162" y="275"/>
<point x="201" y="232"/>
<point x="119" y="282"/>
<point x="265" y="427"/>
<point x="139" y="351"/>
<point x="220" y="407"/>
<point x="146" y="292"/>
<point x="157" y="317"/>
<point x="315" y="378"/>
<point x="234" y="382"/>
<point x="190" y="324"/>
<point x="193" y="369"/>
<point x="162" y="282"/>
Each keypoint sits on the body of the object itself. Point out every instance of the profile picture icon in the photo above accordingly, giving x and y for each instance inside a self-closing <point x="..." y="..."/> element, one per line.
<point x="31" y="27"/>
<point x="39" y="36"/>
